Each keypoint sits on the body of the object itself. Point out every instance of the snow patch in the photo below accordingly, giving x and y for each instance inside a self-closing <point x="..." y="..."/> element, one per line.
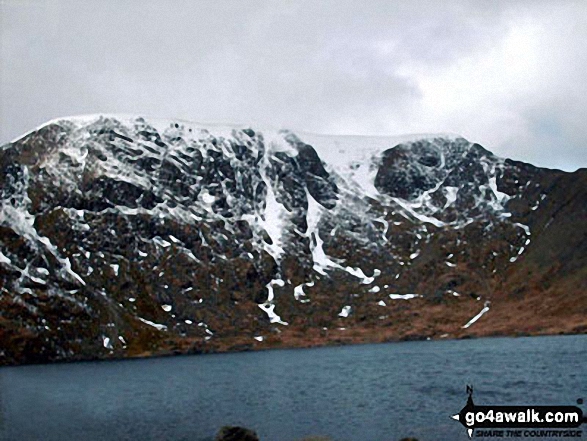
<point x="410" y="207"/>
<point x="269" y="306"/>
<point x="161" y="242"/>
<point x="269" y="286"/>
<point x="358" y="273"/>
<point x="346" y="310"/>
<point x="4" y="259"/>
<point x="524" y="227"/>
<point x="321" y="260"/>
<point x="299" y="290"/>
<point x="403" y="296"/>
<point x="273" y="221"/>
<point x="207" y="198"/>
<point x="450" y="193"/>
<point x="273" y="317"/>
<point x="154" y="325"/>
<point x="478" y="316"/>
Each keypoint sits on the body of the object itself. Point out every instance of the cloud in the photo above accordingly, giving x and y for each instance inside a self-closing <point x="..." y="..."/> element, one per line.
<point x="506" y="74"/>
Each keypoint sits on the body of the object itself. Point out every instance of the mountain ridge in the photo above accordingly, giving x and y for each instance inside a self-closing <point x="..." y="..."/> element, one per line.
<point x="232" y="238"/>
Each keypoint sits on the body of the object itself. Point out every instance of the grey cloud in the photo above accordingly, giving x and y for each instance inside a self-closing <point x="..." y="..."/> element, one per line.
<point x="337" y="66"/>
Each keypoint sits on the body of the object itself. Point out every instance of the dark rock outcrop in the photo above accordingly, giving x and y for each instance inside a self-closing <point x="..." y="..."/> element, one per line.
<point x="235" y="433"/>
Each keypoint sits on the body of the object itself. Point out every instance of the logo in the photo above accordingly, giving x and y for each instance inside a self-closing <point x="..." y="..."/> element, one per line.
<point x="490" y="421"/>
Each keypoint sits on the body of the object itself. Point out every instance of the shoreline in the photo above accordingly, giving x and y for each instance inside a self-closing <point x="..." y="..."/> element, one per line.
<point x="259" y="348"/>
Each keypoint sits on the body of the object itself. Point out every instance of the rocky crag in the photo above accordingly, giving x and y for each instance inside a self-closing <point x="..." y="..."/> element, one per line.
<point x="123" y="237"/>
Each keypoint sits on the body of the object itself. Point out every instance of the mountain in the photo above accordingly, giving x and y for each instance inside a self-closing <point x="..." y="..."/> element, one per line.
<point x="123" y="237"/>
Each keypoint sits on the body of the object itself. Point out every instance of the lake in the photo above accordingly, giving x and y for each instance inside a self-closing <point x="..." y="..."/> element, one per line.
<point x="364" y="392"/>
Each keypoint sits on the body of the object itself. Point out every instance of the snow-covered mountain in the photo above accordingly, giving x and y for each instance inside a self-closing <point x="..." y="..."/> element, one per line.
<point x="121" y="236"/>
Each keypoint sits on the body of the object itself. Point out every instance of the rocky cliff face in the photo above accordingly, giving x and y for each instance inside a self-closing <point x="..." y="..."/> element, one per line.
<point x="125" y="237"/>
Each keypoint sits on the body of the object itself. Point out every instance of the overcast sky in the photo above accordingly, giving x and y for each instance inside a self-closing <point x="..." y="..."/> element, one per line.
<point x="510" y="75"/>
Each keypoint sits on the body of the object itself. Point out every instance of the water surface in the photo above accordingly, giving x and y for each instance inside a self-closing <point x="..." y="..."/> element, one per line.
<point x="363" y="393"/>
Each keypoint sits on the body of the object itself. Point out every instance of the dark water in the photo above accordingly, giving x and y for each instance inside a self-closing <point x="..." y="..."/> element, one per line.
<point x="371" y="392"/>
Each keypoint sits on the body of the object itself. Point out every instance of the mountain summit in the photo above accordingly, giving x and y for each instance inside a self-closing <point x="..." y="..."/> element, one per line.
<point x="121" y="236"/>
